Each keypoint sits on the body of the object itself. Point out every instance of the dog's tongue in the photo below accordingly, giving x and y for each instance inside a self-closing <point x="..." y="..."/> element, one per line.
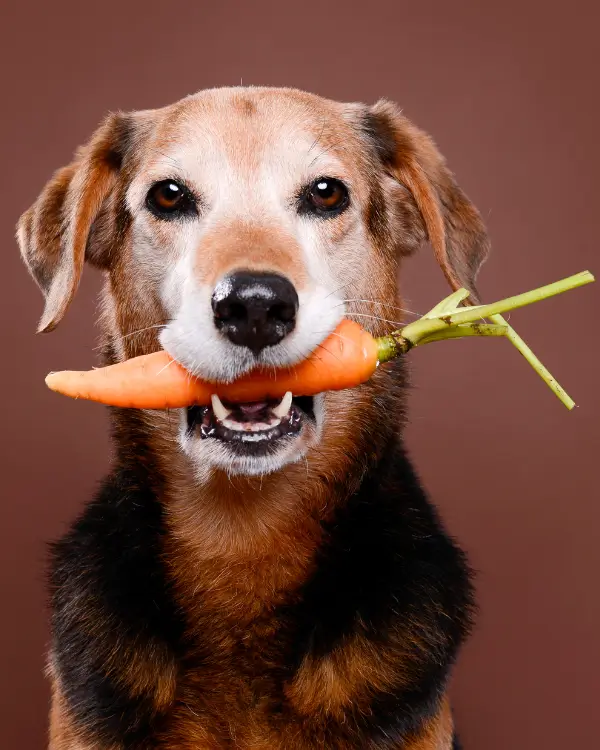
<point x="252" y="408"/>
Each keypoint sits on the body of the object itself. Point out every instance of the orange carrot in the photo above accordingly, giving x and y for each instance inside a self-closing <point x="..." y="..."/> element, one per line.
<point x="345" y="359"/>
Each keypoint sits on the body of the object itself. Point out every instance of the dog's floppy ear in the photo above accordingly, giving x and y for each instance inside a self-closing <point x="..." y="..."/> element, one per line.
<point x="453" y="225"/>
<point x="53" y="233"/>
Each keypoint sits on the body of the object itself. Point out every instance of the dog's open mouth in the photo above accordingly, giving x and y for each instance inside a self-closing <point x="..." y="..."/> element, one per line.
<point x="255" y="424"/>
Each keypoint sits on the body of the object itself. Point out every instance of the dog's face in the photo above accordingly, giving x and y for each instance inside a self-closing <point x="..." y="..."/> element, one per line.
<point x="237" y="228"/>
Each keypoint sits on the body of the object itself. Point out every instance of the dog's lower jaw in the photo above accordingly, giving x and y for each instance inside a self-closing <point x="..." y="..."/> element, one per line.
<point x="207" y="453"/>
<point x="206" y="459"/>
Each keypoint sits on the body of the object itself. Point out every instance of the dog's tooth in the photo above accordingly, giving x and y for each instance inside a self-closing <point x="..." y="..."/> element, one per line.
<point x="284" y="406"/>
<point x="221" y="413"/>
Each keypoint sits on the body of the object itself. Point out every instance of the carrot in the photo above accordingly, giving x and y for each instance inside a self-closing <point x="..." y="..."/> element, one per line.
<point x="346" y="359"/>
<point x="155" y="381"/>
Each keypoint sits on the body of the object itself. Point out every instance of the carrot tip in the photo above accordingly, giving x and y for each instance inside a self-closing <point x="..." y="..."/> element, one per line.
<point x="51" y="380"/>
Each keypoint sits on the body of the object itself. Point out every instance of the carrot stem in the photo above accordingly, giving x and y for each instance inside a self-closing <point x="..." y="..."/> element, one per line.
<point x="542" y="371"/>
<point x="470" y="329"/>
<point x="447" y="321"/>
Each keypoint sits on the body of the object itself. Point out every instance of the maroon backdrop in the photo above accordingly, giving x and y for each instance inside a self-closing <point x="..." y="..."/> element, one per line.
<point x="510" y="91"/>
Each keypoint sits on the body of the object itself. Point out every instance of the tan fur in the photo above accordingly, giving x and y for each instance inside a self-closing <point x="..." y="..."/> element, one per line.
<point x="346" y="678"/>
<point x="249" y="247"/>
<point x="64" y="734"/>
<point x="156" y="677"/>
<point x="353" y="673"/>
<point x="437" y="733"/>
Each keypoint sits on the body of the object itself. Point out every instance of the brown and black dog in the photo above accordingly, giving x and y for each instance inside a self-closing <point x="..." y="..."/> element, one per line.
<point x="268" y="576"/>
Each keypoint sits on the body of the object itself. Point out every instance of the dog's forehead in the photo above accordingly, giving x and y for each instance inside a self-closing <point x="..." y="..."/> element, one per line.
<point x="242" y="129"/>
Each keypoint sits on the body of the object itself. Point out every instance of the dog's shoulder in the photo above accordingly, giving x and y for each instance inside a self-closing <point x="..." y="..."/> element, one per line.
<point x="386" y="610"/>
<point x="112" y="553"/>
<point x="388" y="554"/>
<point x="115" y="628"/>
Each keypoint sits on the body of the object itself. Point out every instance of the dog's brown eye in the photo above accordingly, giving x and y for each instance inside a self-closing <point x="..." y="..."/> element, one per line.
<point x="327" y="196"/>
<point x="168" y="199"/>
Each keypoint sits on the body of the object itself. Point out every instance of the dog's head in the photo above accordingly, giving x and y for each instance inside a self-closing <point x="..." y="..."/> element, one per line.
<point x="237" y="228"/>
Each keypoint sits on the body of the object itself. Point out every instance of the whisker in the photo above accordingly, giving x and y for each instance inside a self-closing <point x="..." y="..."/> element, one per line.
<point x="162" y="369"/>
<point x="134" y="333"/>
<point x="287" y="479"/>
<point x="320" y="346"/>
<point x="141" y="330"/>
<point x="333" y="333"/>
<point x="376" y="317"/>
<point x="335" y="291"/>
<point x="303" y="358"/>
<point x="317" y="139"/>
<point x="385" y="304"/>
<point x="318" y="156"/>
<point x="172" y="159"/>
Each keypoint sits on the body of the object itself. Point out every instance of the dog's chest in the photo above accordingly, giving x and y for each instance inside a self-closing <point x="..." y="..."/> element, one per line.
<point x="242" y="645"/>
<point x="231" y="687"/>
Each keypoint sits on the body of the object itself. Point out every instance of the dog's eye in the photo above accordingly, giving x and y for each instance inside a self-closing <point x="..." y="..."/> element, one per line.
<point x="327" y="196"/>
<point x="168" y="200"/>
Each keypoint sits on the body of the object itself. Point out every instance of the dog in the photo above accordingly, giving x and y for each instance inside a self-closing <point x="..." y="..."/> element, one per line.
<point x="268" y="576"/>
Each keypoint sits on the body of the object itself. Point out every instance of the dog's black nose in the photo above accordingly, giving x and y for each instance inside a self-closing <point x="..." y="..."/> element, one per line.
<point x="255" y="309"/>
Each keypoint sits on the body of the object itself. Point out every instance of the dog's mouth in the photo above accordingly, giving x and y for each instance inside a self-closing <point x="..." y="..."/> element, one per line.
<point x="254" y="426"/>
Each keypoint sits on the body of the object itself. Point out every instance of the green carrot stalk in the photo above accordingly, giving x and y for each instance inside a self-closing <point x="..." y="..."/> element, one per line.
<point x="542" y="371"/>
<point x="447" y="321"/>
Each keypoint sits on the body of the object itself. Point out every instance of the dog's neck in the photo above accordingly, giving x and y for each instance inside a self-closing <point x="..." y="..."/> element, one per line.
<point x="250" y="540"/>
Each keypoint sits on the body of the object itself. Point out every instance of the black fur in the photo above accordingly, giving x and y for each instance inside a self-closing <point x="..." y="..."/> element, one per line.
<point x="386" y="560"/>
<point x="108" y="567"/>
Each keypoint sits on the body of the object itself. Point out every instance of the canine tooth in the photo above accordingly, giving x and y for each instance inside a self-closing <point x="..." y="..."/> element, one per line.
<point x="284" y="406"/>
<point x="220" y="411"/>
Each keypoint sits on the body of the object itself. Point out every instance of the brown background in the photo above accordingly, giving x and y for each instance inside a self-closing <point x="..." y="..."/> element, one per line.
<point x="509" y="89"/>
